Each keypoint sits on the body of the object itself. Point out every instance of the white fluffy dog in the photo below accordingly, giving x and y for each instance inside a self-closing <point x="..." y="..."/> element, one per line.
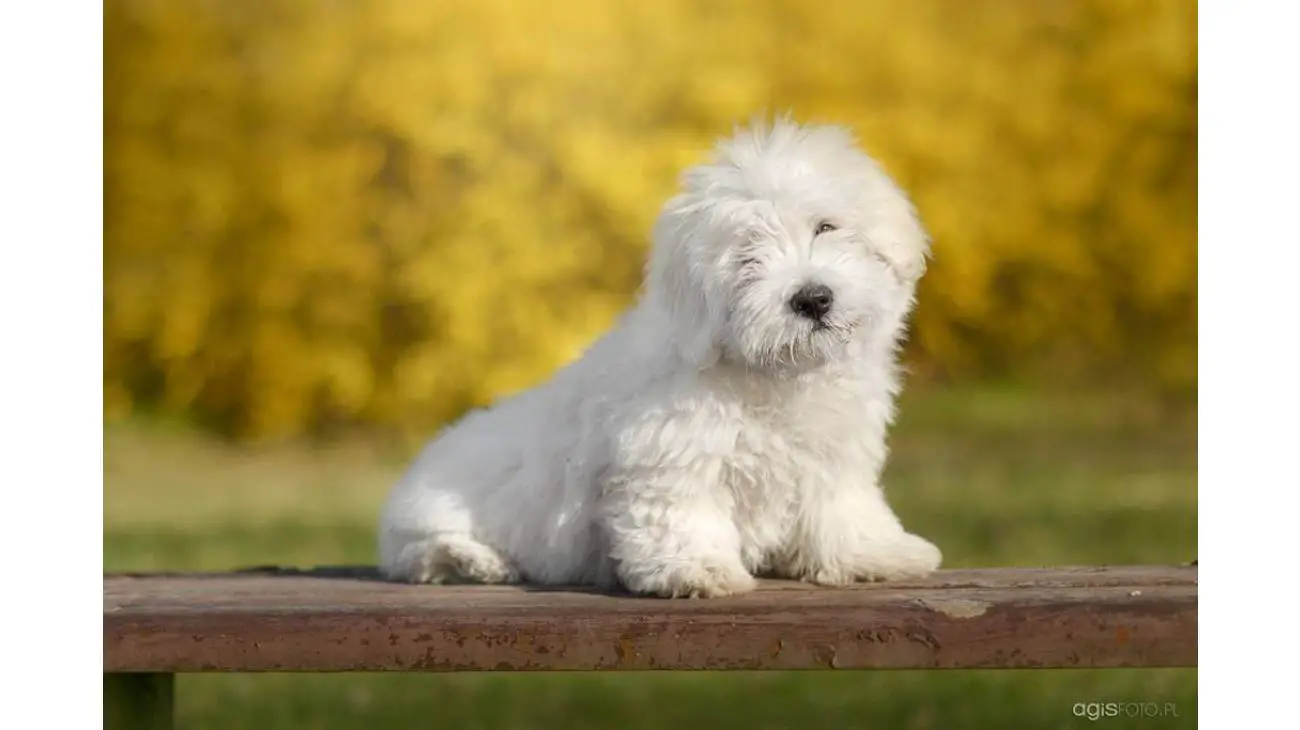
<point x="732" y="424"/>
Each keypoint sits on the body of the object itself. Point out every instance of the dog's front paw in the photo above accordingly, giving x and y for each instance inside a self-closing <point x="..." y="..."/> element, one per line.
<point x="903" y="557"/>
<point x="906" y="557"/>
<point x="693" y="579"/>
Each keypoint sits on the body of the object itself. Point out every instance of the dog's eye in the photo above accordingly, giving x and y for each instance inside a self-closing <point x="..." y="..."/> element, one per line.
<point x="824" y="227"/>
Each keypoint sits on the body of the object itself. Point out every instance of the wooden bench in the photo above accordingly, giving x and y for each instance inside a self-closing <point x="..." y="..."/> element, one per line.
<point x="346" y="619"/>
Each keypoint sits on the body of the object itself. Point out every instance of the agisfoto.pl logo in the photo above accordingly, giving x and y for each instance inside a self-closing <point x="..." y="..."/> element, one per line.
<point x="1105" y="710"/>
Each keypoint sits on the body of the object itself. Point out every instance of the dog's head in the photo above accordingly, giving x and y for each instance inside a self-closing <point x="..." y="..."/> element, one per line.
<point x="784" y="250"/>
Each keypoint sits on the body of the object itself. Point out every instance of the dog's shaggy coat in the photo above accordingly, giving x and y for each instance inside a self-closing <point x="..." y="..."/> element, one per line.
<point x="732" y="424"/>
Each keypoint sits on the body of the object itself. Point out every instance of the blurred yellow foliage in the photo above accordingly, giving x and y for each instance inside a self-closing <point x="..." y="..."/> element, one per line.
<point x="338" y="211"/>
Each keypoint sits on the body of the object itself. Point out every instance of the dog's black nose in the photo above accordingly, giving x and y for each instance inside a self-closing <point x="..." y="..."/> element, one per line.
<point x="812" y="301"/>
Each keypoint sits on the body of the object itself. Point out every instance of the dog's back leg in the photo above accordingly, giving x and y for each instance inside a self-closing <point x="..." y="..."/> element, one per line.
<point x="451" y="558"/>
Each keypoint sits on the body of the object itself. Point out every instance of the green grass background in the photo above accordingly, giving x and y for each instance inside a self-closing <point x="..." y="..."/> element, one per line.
<point x="997" y="476"/>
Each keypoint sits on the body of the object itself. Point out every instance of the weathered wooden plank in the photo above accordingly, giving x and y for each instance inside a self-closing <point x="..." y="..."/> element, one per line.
<point x="345" y="619"/>
<point x="139" y="701"/>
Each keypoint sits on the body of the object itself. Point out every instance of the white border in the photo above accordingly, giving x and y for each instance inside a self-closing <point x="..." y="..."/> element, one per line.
<point x="1248" y="206"/>
<point x="51" y="360"/>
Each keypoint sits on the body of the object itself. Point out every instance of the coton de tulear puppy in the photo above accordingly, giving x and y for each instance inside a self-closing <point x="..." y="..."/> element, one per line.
<point x="732" y="424"/>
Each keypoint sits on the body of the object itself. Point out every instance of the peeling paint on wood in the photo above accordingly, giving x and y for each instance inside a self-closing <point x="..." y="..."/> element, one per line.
<point x="346" y="619"/>
<point x="957" y="607"/>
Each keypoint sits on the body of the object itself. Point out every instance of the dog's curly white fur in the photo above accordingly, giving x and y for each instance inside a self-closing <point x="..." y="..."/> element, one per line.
<point x="732" y="424"/>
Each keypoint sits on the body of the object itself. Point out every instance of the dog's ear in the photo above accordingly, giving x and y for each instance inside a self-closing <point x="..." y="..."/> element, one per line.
<point x="677" y="282"/>
<point x="900" y="236"/>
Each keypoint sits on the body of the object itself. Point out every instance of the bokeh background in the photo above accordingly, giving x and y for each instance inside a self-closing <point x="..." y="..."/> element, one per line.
<point x="333" y="226"/>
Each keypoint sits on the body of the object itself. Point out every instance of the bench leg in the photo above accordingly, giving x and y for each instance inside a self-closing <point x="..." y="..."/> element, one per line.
<point x="138" y="701"/>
